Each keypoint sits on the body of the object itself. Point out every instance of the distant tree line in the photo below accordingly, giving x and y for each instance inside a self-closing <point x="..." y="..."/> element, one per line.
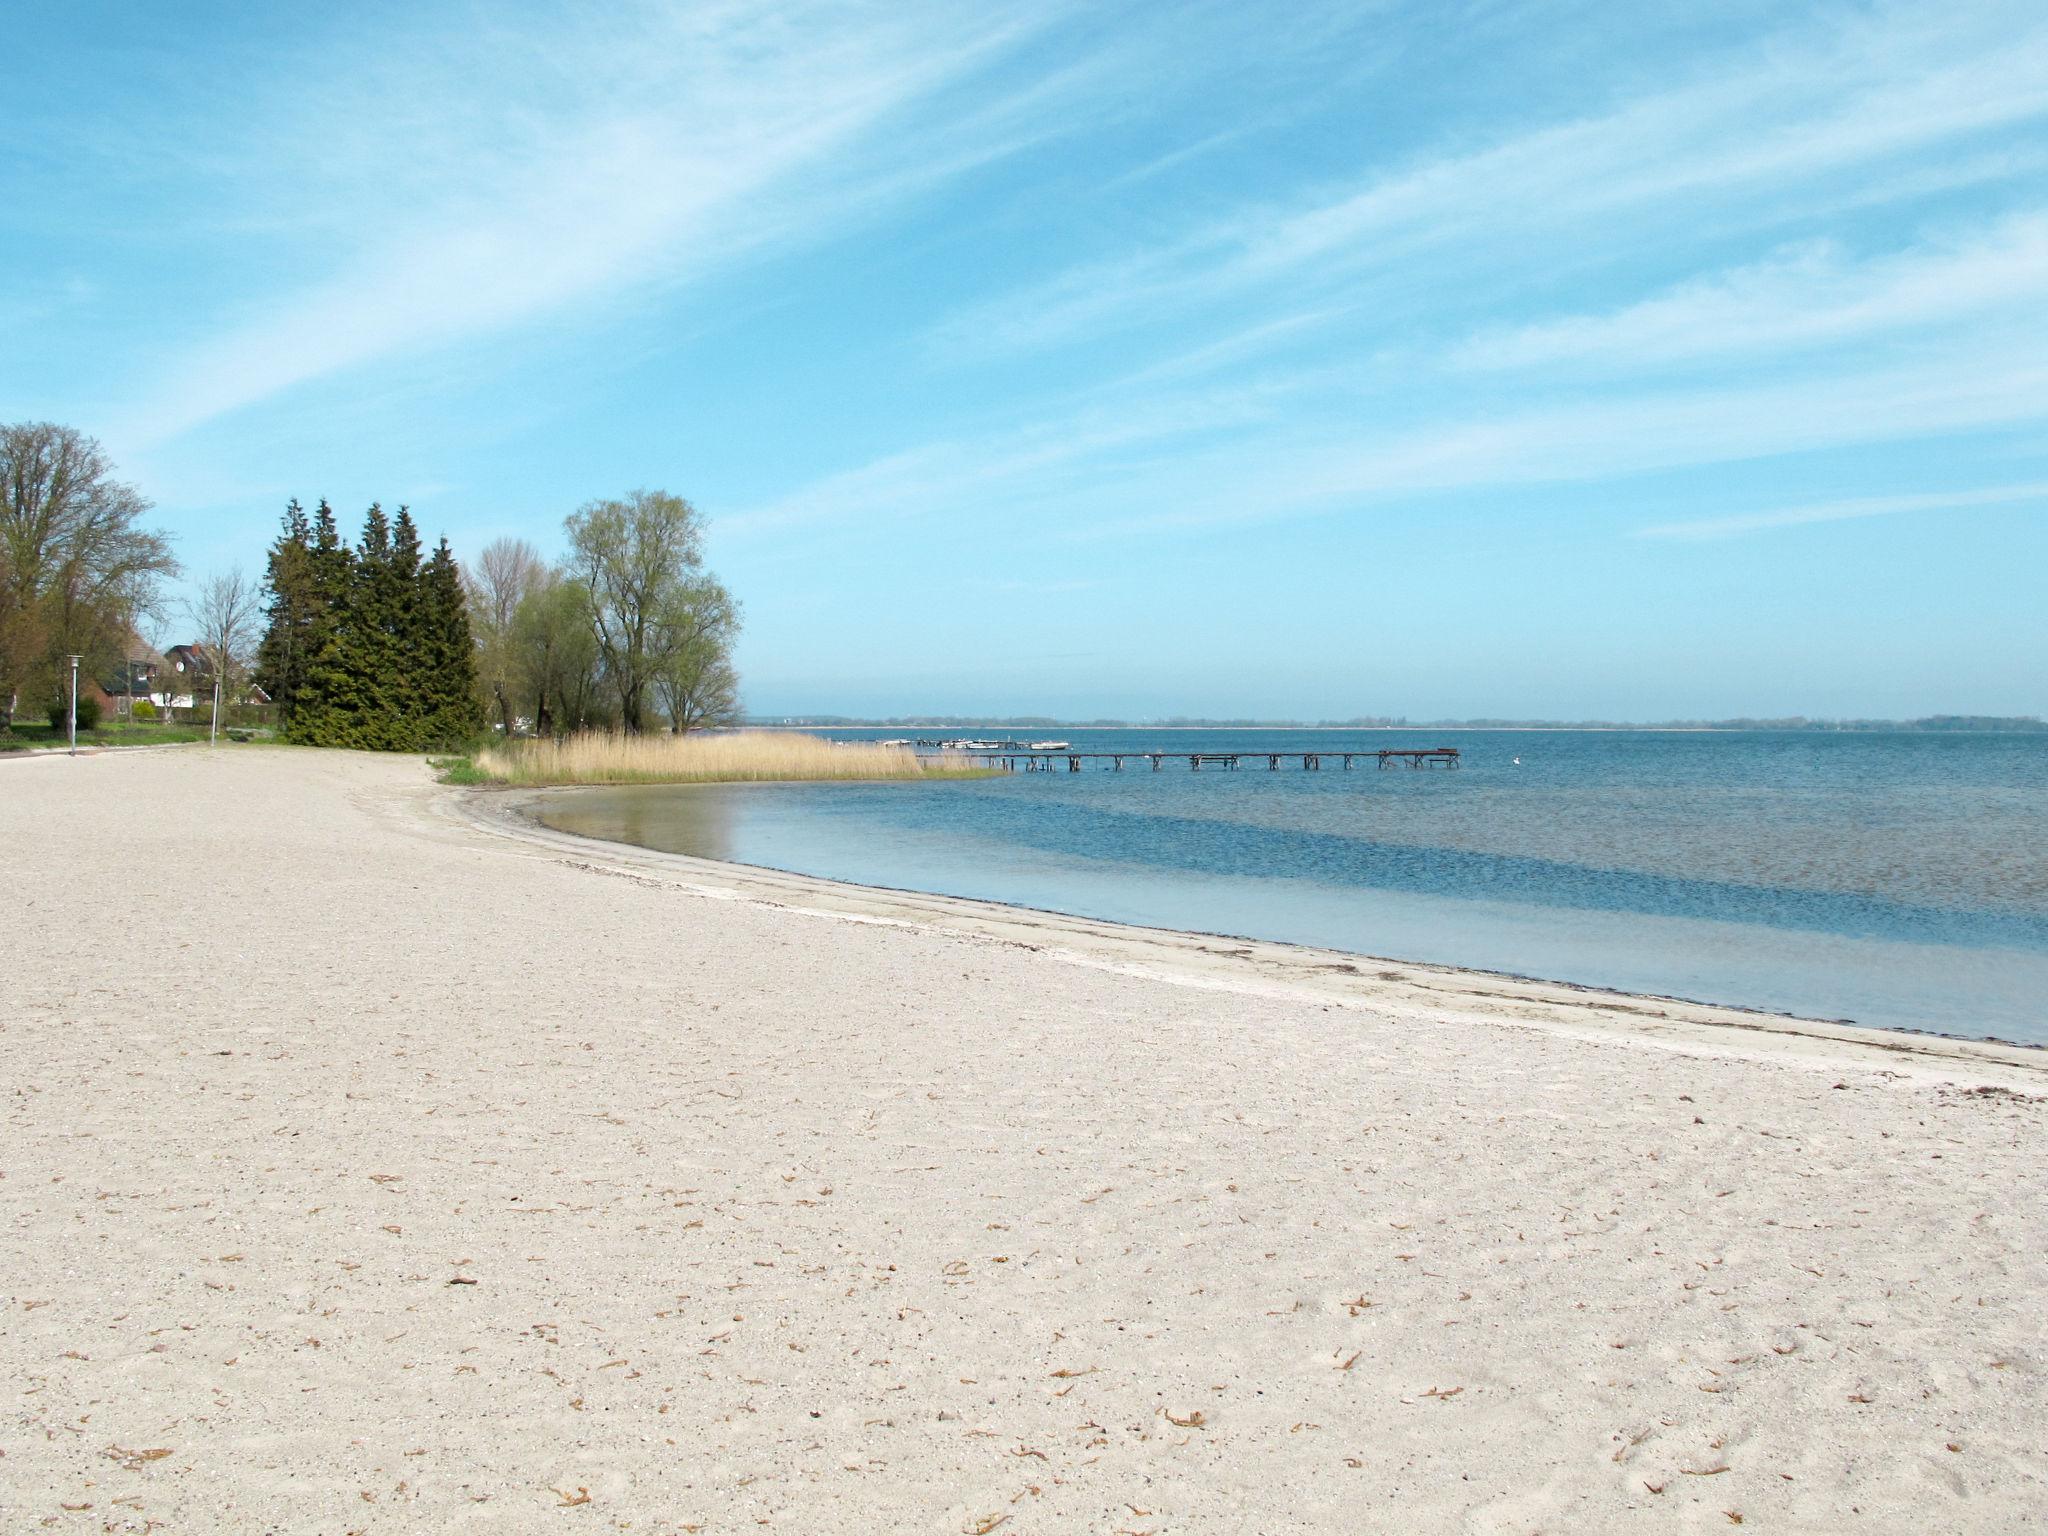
<point x="1781" y="723"/>
<point x="627" y="630"/>
<point x="367" y="646"/>
<point x="375" y="646"/>
<point x="77" y="569"/>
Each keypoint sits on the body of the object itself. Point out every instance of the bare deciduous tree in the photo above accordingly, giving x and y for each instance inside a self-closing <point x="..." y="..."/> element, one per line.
<point x="76" y="571"/>
<point x="503" y="576"/>
<point x="226" y="612"/>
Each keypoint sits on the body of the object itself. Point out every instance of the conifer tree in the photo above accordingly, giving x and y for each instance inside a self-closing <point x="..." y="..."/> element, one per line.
<point x="347" y="668"/>
<point x="371" y="645"/>
<point x="281" y="658"/>
<point x="316" y="711"/>
<point x="373" y="662"/>
<point x="449" y="653"/>
<point x="410" y="696"/>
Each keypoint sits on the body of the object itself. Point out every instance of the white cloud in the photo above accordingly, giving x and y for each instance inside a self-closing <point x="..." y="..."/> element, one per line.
<point x="1896" y="103"/>
<point x="1808" y="296"/>
<point x="1038" y="461"/>
<point x="1846" y="508"/>
<point x="1226" y="456"/>
<point x="487" y="182"/>
<point x="1971" y="389"/>
<point x="670" y="143"/>
<point x="1773" y="135"/>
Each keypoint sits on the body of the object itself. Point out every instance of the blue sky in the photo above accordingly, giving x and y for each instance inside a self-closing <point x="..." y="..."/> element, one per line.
<point x="1556" y="359"/>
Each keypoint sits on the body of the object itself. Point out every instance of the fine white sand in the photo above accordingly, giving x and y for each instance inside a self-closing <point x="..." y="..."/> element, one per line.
<point x="372" y="1163"/>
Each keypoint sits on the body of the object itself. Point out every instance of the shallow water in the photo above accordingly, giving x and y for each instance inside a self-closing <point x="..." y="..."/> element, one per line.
<point x="1897" y="879"/>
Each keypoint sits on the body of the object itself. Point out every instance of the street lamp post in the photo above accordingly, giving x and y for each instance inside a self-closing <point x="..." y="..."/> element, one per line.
<point x="74" y="706"/>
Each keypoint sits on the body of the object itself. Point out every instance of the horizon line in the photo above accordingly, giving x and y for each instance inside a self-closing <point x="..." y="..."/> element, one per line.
<point x="2016" y="724"/>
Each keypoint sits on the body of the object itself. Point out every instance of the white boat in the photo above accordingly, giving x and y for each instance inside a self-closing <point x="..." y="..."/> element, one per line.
<point x="1051" y="746"/>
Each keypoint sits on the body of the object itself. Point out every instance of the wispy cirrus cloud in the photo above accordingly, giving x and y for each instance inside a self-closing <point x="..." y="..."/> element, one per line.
<point x="1766" y="137"/>
<point x="1346" y="311"/>
<point x="1231" y="455"/>
<point x="1034" y="463"/>
<point x="468" y="190"/>
<point x="2034" y="493"/>
<point x="1813" y="295"/>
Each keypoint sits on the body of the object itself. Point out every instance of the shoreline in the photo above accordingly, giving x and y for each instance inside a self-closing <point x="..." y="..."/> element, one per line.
<point x="1194" y="956"/>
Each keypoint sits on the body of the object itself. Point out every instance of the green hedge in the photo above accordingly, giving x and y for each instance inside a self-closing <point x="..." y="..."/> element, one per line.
<point x="88" y="713"/>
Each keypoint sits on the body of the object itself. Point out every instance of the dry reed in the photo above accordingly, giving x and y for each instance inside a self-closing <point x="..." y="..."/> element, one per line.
<point x="611" y="757"/>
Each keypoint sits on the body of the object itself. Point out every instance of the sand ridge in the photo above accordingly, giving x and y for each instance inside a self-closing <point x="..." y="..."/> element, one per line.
<point x="370" y="1168"/>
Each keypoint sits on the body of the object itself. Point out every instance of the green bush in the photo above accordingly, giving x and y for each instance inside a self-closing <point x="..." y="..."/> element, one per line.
<point x="88" y="713"/>
<point x="144" y="710"/>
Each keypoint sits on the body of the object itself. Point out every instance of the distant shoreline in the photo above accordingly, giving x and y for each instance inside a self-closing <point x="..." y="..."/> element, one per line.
<point x="1932" y="726"/>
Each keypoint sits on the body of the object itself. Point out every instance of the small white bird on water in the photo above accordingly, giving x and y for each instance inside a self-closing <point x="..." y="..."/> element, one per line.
<point x="1518" y="762"/>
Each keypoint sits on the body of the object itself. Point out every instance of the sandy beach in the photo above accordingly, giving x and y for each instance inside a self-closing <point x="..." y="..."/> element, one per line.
<point x="375" y="1161"/>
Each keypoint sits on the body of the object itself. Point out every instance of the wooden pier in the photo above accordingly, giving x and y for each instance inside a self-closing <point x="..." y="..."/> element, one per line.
<point x="1027" y="761"/>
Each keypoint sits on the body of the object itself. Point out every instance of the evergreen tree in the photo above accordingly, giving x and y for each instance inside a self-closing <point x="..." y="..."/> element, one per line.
<point x="410" y="695"/>
<point x="349" y="669"/>
<point x="448" y="653"/>
<point x="375" y="544"/>
<point x="375" y="641"/>
<point x="319" y="709"/>
<point x="373" y="615"/>
<point x="282" y="658"/>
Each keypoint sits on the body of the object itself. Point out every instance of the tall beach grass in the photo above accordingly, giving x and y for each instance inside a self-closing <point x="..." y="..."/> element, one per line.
<point x="611" y="757"/>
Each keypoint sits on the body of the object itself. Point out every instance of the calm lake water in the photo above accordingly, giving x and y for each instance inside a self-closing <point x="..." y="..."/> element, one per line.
<point x="1896" y="880"/>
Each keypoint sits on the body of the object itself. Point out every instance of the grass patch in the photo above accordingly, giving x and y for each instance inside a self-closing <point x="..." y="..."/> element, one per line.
<point x="26" y="734"/>
<point x="459" y="770"/>
<point x="739" y="757"/>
